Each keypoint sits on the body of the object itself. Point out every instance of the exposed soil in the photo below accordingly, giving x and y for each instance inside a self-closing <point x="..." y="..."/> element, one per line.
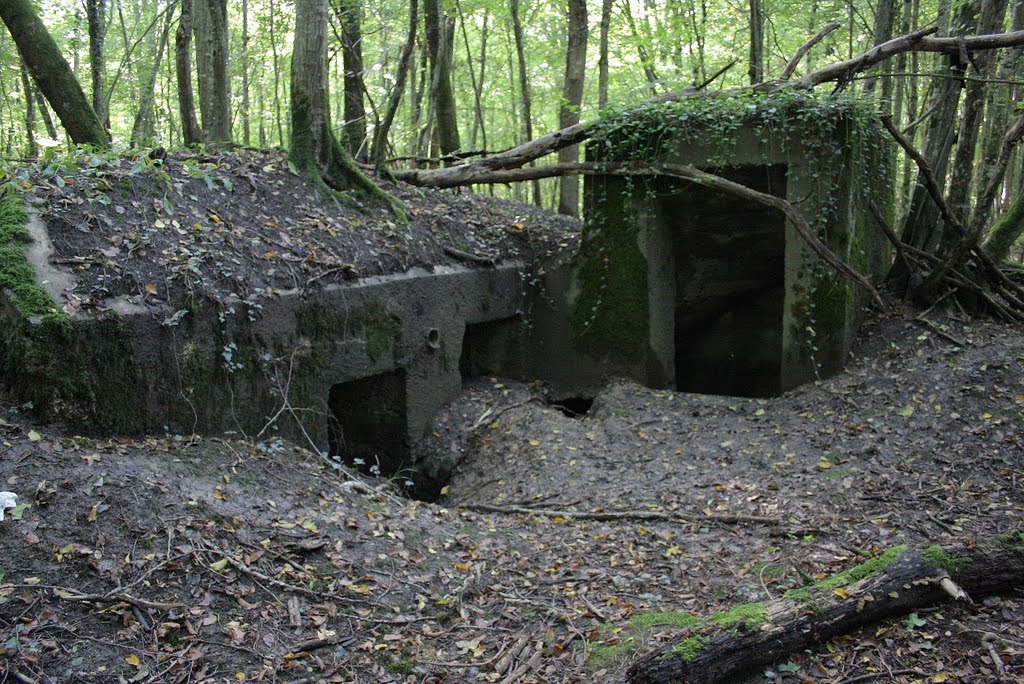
<point x="187" y="558"/>
<point x="187" y="228"/>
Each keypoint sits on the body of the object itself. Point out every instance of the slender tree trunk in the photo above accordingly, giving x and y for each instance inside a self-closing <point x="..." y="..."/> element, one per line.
<point x="349" y="13"/>
<point x="246" y="124"/>
<point x="755" y="70"/>
<point x="190" y="131"/>
<point x="439" y="32"/>
<point x="44" y="113"/>
<point x="478" y="109"/>
<point x="52" y="73"/>
<point x="144" y="127"/>
<point x="278" y="119"/>
<point x="602" y="61"/>
<point x="572" y="99"/>
<point x="380" y="133"/>
<point x="30" y="113"/>
<point x="885" y="14"/>
<point x="96" y="12"/>
<point x="524" y="85"/>
<point x="646" y="61"/>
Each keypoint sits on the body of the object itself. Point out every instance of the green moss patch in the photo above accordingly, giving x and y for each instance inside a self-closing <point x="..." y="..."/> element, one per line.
<point x="16" y="274"/>
<point x="940" y="559"/>
<point x="865" y="569"/>
<point x="747" y="615"/>
<point x="690" y="648"/>
<point x="671" y="619"/>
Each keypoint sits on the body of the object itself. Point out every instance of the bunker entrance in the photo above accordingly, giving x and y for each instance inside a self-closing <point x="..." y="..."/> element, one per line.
<point x="729" y="263"/>
<point x="490" y="348"/>
<point x="368" y="427"/>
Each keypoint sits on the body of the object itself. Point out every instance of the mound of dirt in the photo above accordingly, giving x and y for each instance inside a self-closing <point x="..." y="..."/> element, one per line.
<point x="188" y="227"/>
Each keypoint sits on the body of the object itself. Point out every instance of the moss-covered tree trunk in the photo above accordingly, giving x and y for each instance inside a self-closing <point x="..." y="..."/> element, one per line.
<point x="1006" y="230"/>
<point x="52" y="73"/>
<point x="314" y="149"/>
<point x="725" y="645"/>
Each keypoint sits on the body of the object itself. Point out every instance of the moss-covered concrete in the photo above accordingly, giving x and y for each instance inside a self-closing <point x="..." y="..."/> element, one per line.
<point x="627" y="292"/>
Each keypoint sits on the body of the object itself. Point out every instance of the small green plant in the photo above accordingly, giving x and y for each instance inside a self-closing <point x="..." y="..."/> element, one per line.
<point x="912" y="621"/>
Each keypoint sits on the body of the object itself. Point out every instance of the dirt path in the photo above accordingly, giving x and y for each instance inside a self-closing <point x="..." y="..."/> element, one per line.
<point x="177" y="559"/>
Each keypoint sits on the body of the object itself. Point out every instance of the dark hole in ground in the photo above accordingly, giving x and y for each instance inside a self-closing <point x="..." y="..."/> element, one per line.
<point x="729" y="261"/>
<point x="368" y="423"/>
<point x="573" y="407"/>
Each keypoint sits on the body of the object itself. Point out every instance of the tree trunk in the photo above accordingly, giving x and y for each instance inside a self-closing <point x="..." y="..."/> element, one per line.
<point x="246" y="124"/>
<point x="44" y="113"/>
<point x="602" y="61"/>
<point x="190" y="131"/>
<point x="278" y="119"/>
<point x="96" y="13"/>
<point x="572" y="99"/>
<point x="211" y="33"/>
<point x="1000" y="104"/>
<point x="1007" y="230"/>
<point x="52" y="73"/>
<point x="990" y="19"/>
<point x="478" y="84"/>
<point x="885" y="15"/>
<point x="314" y="149"/>
<point x="30" y="113"/>
<point x="920" y="228"/>
<point x="646" y="61"/>
<point x="439" y="31"/>
<point x="524" y="84"/>
<point x="756" y="68"/>
<point x="726" y="645"/>
<point x="380" y="133"/>
<point x="144" y="128"/>
<point x="349" y="14"/>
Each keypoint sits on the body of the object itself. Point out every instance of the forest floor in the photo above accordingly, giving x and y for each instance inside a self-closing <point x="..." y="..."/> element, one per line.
<point x="182" y="558"/>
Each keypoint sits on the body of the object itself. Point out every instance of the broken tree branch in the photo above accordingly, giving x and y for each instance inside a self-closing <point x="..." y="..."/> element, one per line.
<point x="726" y="645"/>
<point x="467" y="176"/>
<point x="794" y="62"/>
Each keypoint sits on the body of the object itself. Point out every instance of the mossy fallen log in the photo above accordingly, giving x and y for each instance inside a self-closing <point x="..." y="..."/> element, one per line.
<point x="900" y="581"/>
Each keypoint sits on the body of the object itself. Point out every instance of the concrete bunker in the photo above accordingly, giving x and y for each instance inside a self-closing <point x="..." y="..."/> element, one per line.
<point x="682" y="286"/>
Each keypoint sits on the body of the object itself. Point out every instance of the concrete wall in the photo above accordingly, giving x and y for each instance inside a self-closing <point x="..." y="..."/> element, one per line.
<point x="820" y="310"/>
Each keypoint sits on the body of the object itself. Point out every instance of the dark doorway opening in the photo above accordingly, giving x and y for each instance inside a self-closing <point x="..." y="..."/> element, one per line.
<point x="729" y="258"/>
<point x="490" y="348"/>
<point x="368" y="427"/>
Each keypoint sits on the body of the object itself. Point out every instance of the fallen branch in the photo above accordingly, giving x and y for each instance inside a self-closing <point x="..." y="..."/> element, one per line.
<point x="728" y="519"/>
<point x="685" y="172"/>
<point x="721" y="649"/>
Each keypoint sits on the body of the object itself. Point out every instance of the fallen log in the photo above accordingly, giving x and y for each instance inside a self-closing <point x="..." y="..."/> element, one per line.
<point x="900" y="581"/>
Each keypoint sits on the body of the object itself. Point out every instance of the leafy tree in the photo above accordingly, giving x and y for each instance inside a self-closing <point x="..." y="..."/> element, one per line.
<point x="52" y="73"/>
